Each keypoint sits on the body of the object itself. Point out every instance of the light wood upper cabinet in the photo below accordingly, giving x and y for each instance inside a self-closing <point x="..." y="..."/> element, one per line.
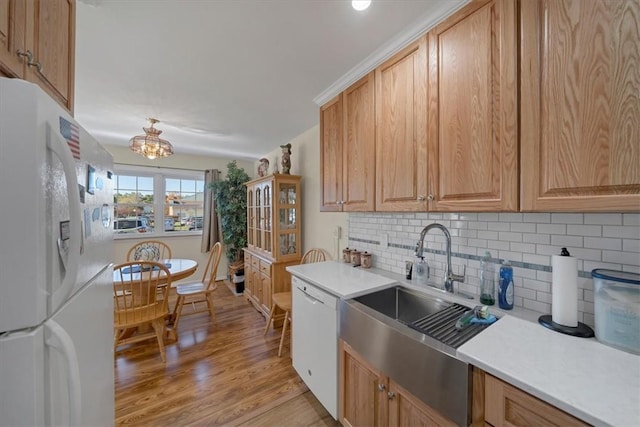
<point x="13" y="21"/>
<point x="51" y="35"/>
<point x="37" y="43"/>
<point x="331" y="155"/>
<point x="358" y="161"/>
<point x="473" y="110"/>
<point x="401" y="130"/>
<point x="347" y="149"/>
<point x="580" y="118"/>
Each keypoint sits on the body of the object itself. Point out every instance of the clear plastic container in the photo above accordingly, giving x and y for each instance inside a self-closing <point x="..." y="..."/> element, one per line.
<point x="617" y="308"/>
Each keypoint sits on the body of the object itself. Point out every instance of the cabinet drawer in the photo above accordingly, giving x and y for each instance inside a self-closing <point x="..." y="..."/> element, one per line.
<point x="255" y="262"/>
<point x="508" y="405"/>
<point x="265" y="267"/>
<point x="247" y="258"/>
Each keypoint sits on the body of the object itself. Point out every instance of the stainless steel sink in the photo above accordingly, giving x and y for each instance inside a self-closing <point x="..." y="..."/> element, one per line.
<point x="402" y="304"/>
<point x="406" y="334"/>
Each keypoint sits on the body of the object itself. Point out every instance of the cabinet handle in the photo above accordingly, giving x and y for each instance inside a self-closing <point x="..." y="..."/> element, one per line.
<point x="391" y="395"/>
<point x="421" y="198"/>
<point x="28" y="54"/>
<point x="381" y="387"/>
<point x="430" y="197"/>
<point x="38" y="65"/>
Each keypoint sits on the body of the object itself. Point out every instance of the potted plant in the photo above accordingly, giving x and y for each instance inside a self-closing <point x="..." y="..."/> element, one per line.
<point x="231" y="203"/>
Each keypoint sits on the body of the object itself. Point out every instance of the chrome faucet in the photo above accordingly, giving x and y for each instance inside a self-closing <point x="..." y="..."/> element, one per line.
<point x="450" y="277"/>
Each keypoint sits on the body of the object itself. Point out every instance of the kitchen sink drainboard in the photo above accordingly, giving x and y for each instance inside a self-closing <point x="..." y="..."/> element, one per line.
<point x="442" y="326"/>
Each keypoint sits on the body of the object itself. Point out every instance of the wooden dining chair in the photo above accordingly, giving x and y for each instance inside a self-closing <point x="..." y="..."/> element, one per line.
<point x="140" y="299"/>
<point x="199" y="292"/>
<point x="149" y="250"/>
<point x="282" y="300"/>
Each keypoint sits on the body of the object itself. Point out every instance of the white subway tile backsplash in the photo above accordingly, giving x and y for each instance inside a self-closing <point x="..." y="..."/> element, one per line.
<point x="632" y="258"/>
<point x="630" y="245"/>
<point x="567" y="218"/>
<point x="621" y="231"/>
<point x="584" y="230"/>
<point x="510" y="217"/>
<point x="551" y="228"/>
<point x="537" y="217"/>
<point x="603" y="218"/>
<point x="509" y="236"/>
<point x="631" y="219"/>
<point x="598" y="240"/>
<point x="523" y="227"/>
<point x="543" y="239"/>
<point x="566" y="241"/>
<point x="603" y="243"/>
<point x="498" y="226"/>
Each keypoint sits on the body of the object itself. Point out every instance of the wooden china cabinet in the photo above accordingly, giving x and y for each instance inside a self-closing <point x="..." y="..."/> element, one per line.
<point x="273" y="237"/>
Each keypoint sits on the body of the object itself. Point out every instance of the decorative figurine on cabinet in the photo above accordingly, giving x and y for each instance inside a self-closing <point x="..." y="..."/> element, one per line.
<point x="286" y="158"/>
<point x="263" y="167"/>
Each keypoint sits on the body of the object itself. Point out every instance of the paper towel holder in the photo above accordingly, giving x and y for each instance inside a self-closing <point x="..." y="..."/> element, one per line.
<point x="581" y="331"/>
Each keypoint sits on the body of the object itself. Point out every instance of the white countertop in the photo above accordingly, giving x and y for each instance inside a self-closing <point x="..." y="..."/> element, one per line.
<point x="594" y="382"/>
<point x="340" y="279"/>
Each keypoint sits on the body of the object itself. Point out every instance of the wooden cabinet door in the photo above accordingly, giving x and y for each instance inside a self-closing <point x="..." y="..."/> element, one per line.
<point x="51" y="37"/>
<point x="13" y="23"/>
<point x="401" y="130"/>
<point x="248" y="276"/>
<point x="580" y="118"/>
<point x="406" y="410"/>
<point x="509" y="406"/>
<point x="265" y="297"/>
<point x="358" y="161"/>
<point x="331" y="155"/>
<point x="362" y="391"/>
<point x="473" y="109"/>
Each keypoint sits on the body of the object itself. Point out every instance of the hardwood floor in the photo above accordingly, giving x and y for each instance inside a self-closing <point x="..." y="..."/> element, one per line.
<point x="217" y="373"/>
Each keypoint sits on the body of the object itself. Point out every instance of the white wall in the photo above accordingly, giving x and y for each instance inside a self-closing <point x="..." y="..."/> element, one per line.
<point x="317" y="227"/>
<point x="181" y="246"/>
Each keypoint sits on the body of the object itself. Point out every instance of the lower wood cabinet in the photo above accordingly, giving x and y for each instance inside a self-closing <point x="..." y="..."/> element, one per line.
<point x="367" y="397"/>
<point x="506" y="405"/>
<point x="263" y="278"/>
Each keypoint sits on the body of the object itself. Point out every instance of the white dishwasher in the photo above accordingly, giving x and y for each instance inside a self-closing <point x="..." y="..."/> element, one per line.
<point x="315" y="341"/>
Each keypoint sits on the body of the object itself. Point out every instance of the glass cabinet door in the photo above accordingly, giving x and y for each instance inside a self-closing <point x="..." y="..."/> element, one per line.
<point x="251" y="227"/>
<point x="287" y="219"/>
<point x="259" y="219"/>
<point x="266" y="206"/>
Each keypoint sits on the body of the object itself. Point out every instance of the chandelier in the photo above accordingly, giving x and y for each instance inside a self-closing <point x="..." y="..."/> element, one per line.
<point x="151" y="145"/>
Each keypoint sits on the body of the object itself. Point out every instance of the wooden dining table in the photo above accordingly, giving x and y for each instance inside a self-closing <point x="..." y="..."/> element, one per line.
<point x="179" y="268"/>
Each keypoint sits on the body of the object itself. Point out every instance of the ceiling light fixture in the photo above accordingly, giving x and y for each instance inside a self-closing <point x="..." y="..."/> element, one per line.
<point x="151" y="145"/>
<point x="360" y="5"/>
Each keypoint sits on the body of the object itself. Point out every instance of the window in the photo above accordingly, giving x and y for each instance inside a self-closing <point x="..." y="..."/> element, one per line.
<point x="166" y="202"/>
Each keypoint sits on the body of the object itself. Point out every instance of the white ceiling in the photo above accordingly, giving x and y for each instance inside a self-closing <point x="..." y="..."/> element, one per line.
<point x="228" y="78"/>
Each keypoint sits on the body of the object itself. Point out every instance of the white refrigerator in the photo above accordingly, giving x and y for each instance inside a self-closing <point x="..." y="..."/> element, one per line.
<point x="56" y="297"/>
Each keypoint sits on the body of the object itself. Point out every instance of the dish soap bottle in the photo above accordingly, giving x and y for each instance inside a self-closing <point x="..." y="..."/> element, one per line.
<point x="421" y="271"/>
<point x="505" y="293"/>
<point x="487" y="280"/>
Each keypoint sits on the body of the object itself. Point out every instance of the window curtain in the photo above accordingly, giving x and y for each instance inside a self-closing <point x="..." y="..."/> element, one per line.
<point x="210" y="223"/>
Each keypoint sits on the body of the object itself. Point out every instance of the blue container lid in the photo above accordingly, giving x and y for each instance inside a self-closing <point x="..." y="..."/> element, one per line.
<point x="617" y="276"/>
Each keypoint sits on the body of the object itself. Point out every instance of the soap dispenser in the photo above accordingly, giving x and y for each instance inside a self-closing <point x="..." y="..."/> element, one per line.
<point x="420" y="270"/>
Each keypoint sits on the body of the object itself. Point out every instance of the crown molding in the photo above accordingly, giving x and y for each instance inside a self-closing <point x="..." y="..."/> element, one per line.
<point x="389" y="48"/>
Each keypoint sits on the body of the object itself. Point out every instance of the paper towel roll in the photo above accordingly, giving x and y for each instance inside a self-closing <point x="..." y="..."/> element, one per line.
<point x="564" y="290"/>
